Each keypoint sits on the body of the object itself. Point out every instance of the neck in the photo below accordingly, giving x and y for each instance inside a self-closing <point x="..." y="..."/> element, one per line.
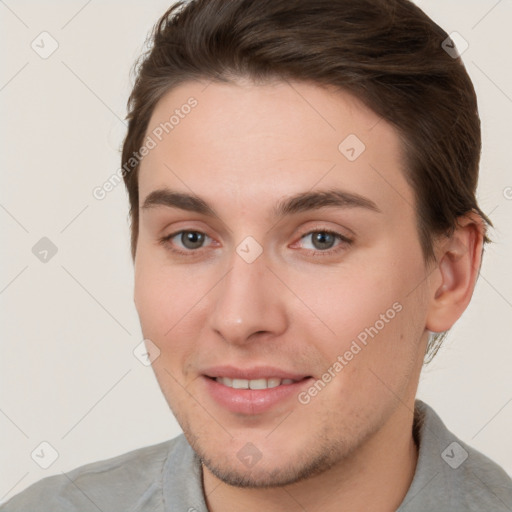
<point x="376" y="476"/>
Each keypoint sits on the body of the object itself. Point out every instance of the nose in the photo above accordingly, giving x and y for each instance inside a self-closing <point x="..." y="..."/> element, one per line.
<point x="248" y="303"/>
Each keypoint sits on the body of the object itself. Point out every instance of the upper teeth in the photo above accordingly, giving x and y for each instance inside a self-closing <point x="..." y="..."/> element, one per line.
<point x="253" y="383"/>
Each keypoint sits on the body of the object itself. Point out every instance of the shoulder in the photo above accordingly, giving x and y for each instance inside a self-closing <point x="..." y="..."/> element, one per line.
<point x="481" y="483"/>
<point x="450" y="474"/>
<point x="131" y="481"/>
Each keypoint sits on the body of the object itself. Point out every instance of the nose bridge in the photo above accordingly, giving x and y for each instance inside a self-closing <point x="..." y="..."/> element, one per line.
<point x="245" y="299"/>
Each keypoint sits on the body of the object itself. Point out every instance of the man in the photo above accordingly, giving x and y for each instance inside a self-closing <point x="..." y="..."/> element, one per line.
<point x="302" y="180"/>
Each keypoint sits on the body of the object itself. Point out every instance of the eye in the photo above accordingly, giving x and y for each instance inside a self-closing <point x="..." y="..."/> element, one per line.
<point x="323" y="241"/>
<point x="190" y="240"/>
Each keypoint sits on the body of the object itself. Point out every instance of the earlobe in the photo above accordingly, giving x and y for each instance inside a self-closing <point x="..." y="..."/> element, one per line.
<point x="459" y="257"/>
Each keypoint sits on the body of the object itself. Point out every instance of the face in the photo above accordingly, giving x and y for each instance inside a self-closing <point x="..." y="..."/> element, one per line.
<point x="287" y="297"/>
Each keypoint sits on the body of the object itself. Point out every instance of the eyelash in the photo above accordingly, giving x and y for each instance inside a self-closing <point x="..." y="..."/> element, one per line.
<point x="165" y="241"/>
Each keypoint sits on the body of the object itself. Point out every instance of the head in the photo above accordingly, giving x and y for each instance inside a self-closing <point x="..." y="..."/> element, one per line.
<point x="302" y="182"/>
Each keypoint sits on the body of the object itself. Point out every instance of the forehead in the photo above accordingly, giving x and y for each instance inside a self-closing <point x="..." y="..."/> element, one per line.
<point x="255" y="143"/>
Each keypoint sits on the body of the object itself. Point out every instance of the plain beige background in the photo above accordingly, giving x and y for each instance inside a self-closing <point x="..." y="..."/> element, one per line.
<point x="68" y="374"/>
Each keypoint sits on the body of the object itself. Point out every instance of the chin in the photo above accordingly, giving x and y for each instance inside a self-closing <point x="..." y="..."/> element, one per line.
<point x="267" y="472"/>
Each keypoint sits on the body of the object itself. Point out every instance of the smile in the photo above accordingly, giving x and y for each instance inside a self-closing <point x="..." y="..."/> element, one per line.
<point x="271" y="382"/>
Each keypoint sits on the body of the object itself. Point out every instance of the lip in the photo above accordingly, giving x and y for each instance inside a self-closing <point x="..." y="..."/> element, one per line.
<point x="257" y="372"/>
<point x="252" y="401"/>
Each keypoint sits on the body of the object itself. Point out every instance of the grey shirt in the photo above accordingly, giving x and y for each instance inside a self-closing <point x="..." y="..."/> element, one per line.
<point x="449" y="476"/>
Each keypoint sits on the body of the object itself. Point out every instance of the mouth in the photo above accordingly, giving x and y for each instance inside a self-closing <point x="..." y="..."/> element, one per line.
<point x="264" y="383"/>
<point x="254" y="391"/>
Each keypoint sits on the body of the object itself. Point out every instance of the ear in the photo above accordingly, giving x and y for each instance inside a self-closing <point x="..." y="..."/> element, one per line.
<point x="458" y="258"/>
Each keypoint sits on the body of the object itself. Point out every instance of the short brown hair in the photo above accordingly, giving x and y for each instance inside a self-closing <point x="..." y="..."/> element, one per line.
<point x="387" y="53"/>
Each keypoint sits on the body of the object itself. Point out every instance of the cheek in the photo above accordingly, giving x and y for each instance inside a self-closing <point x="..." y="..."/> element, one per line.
<point x="370" y="304"/>
<point x="151" y="301"/>
<point x="162" y="294"/>
<point x="344" y="303"/>
<point x="170" y="309"/>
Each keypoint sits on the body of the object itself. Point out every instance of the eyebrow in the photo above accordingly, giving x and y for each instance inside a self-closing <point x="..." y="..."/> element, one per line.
<point x="302" y="202"/>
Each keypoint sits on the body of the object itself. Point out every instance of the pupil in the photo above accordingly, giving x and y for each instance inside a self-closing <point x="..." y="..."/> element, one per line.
<point x="323" y="238"/>
<point x="192" y="239"/>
